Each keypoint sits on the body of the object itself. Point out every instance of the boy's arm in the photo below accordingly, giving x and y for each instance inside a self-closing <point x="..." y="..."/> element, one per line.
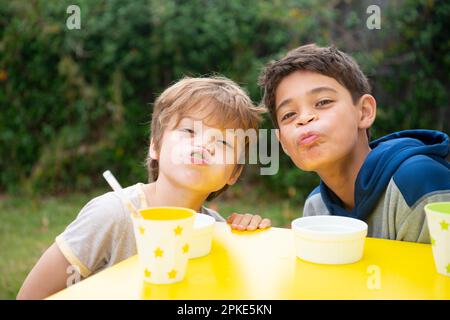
<point x="48" y="276"/>
<point x="414" y="226"/>
<point x="419" y="181"/>
<point x="83" y="247"/>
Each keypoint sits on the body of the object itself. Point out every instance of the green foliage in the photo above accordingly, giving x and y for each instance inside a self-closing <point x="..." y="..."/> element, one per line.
<point x="415" y="68"/>
<point x="76" y="102"/>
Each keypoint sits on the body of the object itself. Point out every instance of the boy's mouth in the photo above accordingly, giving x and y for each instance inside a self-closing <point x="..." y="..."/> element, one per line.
<point x="307" y="139"/>
<point x="199" y="157"/>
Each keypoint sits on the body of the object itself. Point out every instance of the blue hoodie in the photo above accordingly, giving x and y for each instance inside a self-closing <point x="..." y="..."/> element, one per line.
<point x="411" y="164"/>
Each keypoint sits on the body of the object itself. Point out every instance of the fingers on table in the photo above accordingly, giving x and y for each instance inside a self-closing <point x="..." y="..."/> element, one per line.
<point x="242" y="221"/>
<point x="235" y="220"/>
<point x="265" y="223"/>
<point x="254" y="222"/>
<point x="231" y="218"/>
<point x="247" y="222"/>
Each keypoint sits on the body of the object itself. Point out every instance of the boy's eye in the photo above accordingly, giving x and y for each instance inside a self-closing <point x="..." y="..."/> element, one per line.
<point x="287" y="116"/>
<point x="324" y="102"/>
<point x="190" y="131"/>
<point x="224" y="143"/>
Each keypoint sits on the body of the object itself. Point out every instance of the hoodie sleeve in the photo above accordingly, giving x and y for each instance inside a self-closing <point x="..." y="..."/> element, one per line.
<point x="314" y="205"/>
<point x="413" y="227"/>
<point x="420" y="180"/>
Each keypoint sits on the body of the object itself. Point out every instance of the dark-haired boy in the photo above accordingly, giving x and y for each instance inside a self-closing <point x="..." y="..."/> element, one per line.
<point x="320" y="102"/>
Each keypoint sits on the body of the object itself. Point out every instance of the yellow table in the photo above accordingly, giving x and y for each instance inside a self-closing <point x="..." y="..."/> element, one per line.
<point x="263" y="265"/>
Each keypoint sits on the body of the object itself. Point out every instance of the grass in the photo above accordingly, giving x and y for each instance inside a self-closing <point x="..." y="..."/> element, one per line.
<point x="29" y="227"/>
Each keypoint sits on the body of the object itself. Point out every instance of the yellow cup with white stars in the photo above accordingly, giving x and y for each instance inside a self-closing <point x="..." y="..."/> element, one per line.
<point x="438" y="218"/>
<point x="163" y="240"/>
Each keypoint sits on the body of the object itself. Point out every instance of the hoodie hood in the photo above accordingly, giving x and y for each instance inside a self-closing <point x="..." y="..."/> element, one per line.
<point x="387" y="155"/>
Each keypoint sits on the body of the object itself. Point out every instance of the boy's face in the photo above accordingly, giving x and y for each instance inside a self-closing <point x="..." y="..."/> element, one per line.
<point x="198" y="157"/>
<point x="318" y="122"/>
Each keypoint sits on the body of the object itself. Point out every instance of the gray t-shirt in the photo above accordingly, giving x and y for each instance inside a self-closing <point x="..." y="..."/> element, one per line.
<point x="102" y="234"/>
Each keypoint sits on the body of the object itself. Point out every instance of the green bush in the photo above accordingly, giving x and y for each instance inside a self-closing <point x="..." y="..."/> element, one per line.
<point x="414" y="68"/>
<point x="77" y="102"/>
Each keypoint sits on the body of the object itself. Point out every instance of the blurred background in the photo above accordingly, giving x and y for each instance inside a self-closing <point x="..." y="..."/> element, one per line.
<point x="74" y="103"/>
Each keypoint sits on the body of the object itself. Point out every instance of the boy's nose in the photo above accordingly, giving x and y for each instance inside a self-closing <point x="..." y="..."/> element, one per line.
<point x="205" y="142"/>
<point x="305" y="119"/>
<point x="210" y="147"/>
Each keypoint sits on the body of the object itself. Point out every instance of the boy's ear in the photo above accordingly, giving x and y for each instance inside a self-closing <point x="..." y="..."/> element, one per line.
<point x="152" y="152"/>
<point x="236" y="174"/>
<point x="368" y="111"/>
<point x="277" y="133"/>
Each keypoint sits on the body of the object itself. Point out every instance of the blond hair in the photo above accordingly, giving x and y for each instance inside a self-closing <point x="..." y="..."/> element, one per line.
<point x="229" y="106"/>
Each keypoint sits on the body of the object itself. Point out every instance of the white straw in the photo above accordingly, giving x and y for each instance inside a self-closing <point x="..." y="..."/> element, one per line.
<point x="112" y="181"/>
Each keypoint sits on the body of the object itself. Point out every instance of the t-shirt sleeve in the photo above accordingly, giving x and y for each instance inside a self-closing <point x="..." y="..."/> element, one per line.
<point x="213" y="213"/>
<point x="88" y="241"/>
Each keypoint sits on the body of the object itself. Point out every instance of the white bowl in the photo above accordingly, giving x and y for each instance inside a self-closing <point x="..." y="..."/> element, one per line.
<point x="329" y="239"/>
<point x="202" y="237"/>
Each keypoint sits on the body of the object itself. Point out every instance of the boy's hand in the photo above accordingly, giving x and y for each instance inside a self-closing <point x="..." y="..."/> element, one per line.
<point x="247" y="221"/>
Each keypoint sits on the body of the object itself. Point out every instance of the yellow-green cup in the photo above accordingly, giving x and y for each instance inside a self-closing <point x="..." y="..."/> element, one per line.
<point x="163" y="240"/>
<point x="438" y="218"/>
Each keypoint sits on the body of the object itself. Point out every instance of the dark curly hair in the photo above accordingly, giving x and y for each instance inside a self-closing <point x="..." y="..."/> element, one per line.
<point x="328" y="61"/>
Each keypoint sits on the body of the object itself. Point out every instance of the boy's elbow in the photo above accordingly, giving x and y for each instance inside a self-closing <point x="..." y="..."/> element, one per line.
<point x="47" y="277"/>
<point x="25" y="295"/>
<point x="21" y="296"/>
<point x="28" y="294"/>
<point x="32" y="290"/>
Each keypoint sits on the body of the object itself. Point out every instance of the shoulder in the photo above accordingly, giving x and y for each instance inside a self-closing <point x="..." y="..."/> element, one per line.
<point x="107" y="206"/>
<point x="106" y="210"/>
<point x="112" y="201"/>
<point x="210" y="212"/>
<point x="90" y="240"/>
<point x="314" y="204"/>
<point x="314" y="192"/>
<point x="421" y="175"/>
